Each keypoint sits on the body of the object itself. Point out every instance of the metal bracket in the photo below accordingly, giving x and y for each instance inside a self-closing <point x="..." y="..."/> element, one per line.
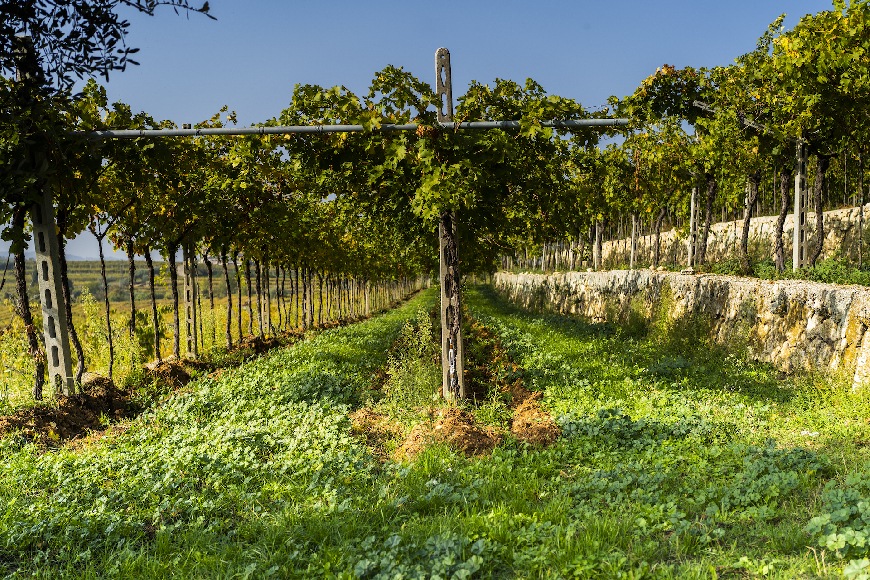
<point x="444" y="85"/>
<point x="704" y="106"/>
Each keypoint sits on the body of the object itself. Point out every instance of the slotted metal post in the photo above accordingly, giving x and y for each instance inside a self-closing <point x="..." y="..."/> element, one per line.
<point x="47" y="247"/>
<point x="189" y="301"/>
<point x="692" y="242"/>
<point x="800" y="243"/>
<point x="452" y="355"/>
<point x="54" y="323"/>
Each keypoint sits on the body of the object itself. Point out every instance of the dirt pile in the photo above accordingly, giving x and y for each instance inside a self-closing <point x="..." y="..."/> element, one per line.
<point x="532" y="424"/>
<point x="489" y="373"/>
<point x="65" y="418"/>
<point x="455" y="427"/>
<point x="258" y="345"/>
<point x="493" y="369"/>
<point x="516" y="394"/>
<point x="169" y="372"/>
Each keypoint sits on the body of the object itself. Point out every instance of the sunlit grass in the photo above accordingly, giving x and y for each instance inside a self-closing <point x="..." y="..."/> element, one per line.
<point x="675" y="462"/>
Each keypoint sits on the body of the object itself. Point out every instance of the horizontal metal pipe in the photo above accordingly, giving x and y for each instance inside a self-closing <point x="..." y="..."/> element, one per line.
<point x="557" y="124"/>
<point x="309" y="129"/>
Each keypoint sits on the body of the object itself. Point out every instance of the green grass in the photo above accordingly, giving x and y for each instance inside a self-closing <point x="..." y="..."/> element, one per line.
<point x="699" y="450"/>
<point x="227" y="466"/>
<point x="677" y="461"/>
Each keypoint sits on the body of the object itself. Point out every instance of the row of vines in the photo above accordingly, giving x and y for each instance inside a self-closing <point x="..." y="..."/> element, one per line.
<point x="357" y="209"/>
<point x="806" y="83"/>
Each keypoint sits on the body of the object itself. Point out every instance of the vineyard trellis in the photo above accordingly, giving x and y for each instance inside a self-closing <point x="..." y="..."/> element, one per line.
<point x="342" y="188"/>
<point x="58" y="339"/>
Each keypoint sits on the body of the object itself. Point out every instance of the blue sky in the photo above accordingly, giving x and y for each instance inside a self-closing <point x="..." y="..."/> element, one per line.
<point x="257" y="50"/>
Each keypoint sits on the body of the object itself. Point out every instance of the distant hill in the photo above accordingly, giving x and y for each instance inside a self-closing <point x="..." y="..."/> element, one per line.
<point x="31" y="255"/>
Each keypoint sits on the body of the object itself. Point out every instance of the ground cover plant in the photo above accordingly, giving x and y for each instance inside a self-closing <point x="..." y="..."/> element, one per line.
<point x="673" y="461"/>
<point x="102" y="402"/>
<point x="266" y="436"/>
<point x="711" y="463"/>
<point x="133" y="388"/>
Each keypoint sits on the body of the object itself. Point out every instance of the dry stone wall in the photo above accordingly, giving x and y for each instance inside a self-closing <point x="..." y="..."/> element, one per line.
<point x="841" y="235"/>
<point x="793" y="324"/>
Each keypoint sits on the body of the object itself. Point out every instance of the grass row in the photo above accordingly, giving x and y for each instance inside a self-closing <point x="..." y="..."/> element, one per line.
<point x="213" y="482"/>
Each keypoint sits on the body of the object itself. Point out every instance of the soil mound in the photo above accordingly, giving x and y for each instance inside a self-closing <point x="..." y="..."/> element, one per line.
<point x="258" y="345"/>
<point x="168" y="371"/>
<point x="489" y="372"/>
<point x="532" y="424"/>
<point x="67" y="418"/>
<point x="518" y="394"/>
<point x="453" y="426"/>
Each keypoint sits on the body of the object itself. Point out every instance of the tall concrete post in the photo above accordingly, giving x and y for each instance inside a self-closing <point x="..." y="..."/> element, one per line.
<point x="54" y="323"/>
<point x="47" y="246"/>
<point x="692" y="241"/>
<point x="452" y="356"/>
<point x="188" y="263"/>
<point x="800" y="245"/>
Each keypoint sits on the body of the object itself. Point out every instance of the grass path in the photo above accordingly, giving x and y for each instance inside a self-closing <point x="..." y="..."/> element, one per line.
<point x="210" y="483"/>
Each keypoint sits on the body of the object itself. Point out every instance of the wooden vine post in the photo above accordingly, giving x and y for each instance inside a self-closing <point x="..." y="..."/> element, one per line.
<point x="47" y="247"/>
<point x="452" y="356"/>
<point x="800" y="245"/>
